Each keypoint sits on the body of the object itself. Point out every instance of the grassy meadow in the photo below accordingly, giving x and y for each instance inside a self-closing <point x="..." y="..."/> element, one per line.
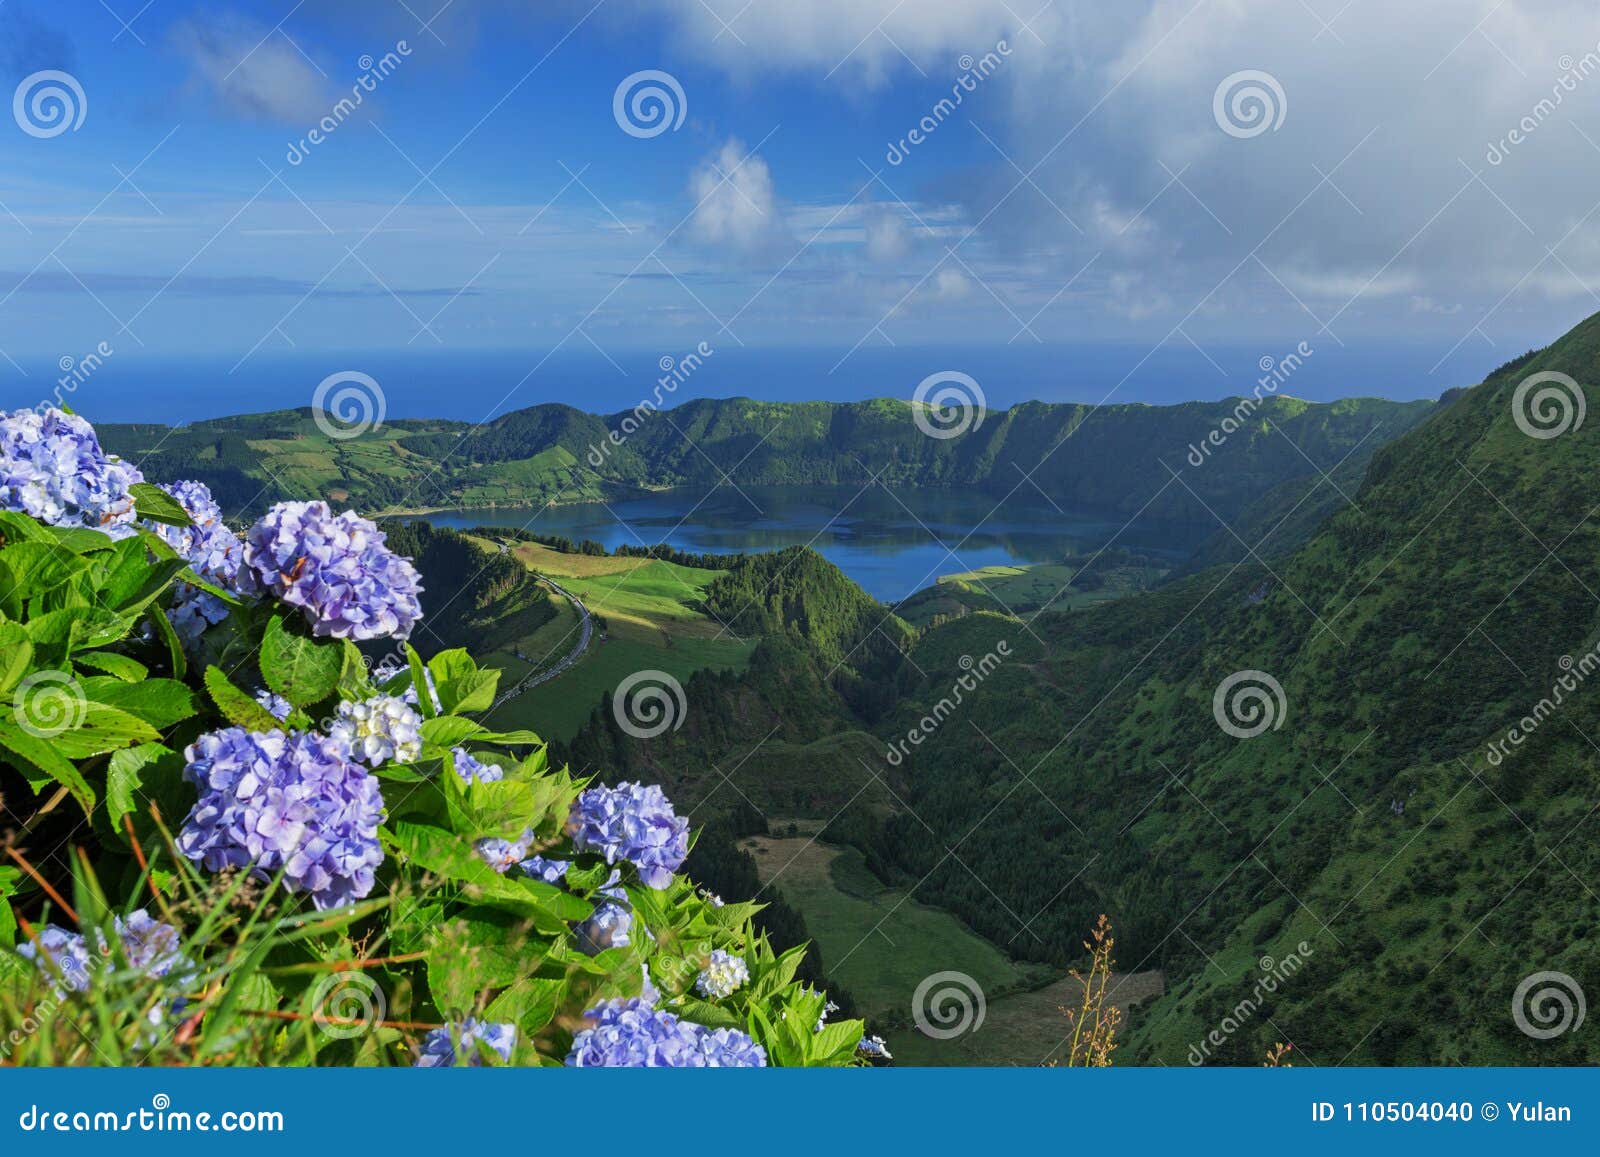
<point x="645" y="619"/>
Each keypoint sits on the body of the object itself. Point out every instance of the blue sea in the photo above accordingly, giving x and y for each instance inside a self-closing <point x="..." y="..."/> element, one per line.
<point x="476" y="386"/>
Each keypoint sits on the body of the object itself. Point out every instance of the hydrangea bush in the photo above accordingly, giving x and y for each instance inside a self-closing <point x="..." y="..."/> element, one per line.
<point x="293" y="858"/>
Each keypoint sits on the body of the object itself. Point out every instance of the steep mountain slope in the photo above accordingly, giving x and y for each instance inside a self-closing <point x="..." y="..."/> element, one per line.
<point x="790" y="733"/>
<point x="1424" y="875"/>
<point x="1107" y="458"/>
<point x="1362" y="874"/>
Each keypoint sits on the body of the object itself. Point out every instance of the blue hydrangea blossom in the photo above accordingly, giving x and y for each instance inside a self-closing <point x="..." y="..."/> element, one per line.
<point x="501" y="854"/>
<point x="550" y="871"/>
<point x="212" y="551"/>
<point x="439" y="1047"/>
<point x="70" y="959"/>
<point x="53" y="468"/>
<point x="632" y="1034"/>
<point x="337" y="569"/>
<point x="293" y="801"/>
<point x="634" y="823"/>
<point x="61" y="955"/>
<point x="471" y="769"/>
<point x="277" y="706"/>
<point x="608" y="927"/>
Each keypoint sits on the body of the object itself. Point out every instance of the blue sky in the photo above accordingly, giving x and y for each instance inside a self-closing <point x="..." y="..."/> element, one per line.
<point x="1089" y="187"/>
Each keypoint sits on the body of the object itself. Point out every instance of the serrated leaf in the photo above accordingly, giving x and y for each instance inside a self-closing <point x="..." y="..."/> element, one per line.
<point x="122" y="778"/>
<point x="301" y="669"/>
<point x="480" y="950"/>
<point x="530" y="1004"/>
<point x="502" y="808"/>
<point x="451" y="856"/>
<point x="123" y="667"/>
<point x="16" y="655"/>
<point x="154" y="503"/>
<point x="102" y="728"/>
<point x="237" y="708"/>
<point x="448" y="730"/>
<point x="159" y="702"/>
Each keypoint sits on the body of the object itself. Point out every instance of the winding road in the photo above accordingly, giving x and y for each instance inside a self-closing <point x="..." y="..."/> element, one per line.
<point x="585" y="636"/>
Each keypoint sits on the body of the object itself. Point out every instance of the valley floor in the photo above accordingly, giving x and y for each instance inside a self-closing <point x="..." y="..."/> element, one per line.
<point x="880" y="943"/>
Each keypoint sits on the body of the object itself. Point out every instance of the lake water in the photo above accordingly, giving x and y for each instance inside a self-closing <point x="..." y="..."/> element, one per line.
<point x="892" y="543"/>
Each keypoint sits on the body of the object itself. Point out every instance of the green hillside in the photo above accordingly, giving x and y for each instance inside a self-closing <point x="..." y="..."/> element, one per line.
<point x="1370" y="839"/>
<point x="1099" y="458"/>
<point x="1425" y="879"/>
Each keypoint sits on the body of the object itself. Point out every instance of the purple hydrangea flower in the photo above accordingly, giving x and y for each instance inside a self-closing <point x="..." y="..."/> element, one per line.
<point x="469" y="768"/>
<point x="608" y="927"/>
<point x="337" y="569"/>
<point x="722" y="975"/>
<point x="52" y="467"/>
<point x="634" y="823"/>
<point x="149" y="946"/>
<point x="277" y="706"/>
<point x="212" y="551"/>
<point x="152" y="947"/>
<point x="631" y="1034"/>
<point x="293" y="801"/>
<point x="501" y="854"/>
<point x="550" y="871"/>
<point x="64" y="959"/>
<point x="379" y="729"/>
<point x="728" y="1048"/>
<point x="439" y="1050"/>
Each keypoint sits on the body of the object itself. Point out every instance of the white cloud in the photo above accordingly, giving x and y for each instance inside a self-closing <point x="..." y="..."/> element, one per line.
<point x="251" y="70"/>
<point x="861" y="39"/>
<point x="1109" y="111"/>
<point x="886" y="236"/>
<point x="736" y="208"/>
<point x="951" y="285"/>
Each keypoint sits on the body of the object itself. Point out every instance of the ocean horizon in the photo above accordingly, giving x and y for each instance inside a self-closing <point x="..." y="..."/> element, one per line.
<point x="131" y="386"/>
